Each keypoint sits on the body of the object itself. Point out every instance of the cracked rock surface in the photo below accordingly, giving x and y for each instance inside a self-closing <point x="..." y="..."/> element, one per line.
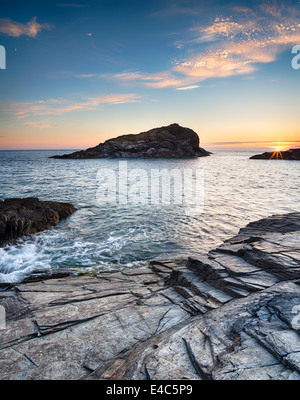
<point x="233" y="313"/>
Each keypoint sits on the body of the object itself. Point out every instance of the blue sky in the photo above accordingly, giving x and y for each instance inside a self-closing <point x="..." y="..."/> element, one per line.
<point x="79" y="73"/>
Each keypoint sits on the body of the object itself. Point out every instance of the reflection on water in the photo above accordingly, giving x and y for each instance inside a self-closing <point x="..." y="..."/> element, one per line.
<point x="236" y="191"/>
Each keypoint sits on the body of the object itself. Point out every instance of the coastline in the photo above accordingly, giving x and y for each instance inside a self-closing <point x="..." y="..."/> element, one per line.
<point x="25" y="216"/>
<point x="230" y="314"/>
<point x="289" y="155"/>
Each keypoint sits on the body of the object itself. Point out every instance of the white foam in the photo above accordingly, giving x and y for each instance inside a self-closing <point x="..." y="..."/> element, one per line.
<point x="63" y="248"/>
<point x="18" y="261"/>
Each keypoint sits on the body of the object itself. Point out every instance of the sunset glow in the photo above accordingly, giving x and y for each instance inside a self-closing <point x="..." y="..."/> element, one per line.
<point x="277" y="153"/>
<point x="77" y="76"/>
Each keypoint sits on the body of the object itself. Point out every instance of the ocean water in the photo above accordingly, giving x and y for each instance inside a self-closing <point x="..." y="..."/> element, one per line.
<point x="111" y="235"/>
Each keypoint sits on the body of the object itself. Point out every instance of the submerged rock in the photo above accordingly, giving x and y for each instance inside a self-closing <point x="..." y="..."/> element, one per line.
<point x="292" y="154"/>
<point x="233" y="313"/>
<point x="168" y="141"/>
<point x="21" y="217"/>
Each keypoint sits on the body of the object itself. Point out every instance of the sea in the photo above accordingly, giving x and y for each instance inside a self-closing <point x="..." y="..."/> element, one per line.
<point x="112" y="231"/>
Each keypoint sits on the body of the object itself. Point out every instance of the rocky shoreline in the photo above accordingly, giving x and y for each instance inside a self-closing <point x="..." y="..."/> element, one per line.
<point x="22" y="217"/>
<point x="292" y="154"/>
<point x="230" y="314"/>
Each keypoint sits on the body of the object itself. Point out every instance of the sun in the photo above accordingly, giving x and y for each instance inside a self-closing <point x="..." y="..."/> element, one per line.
<point x="277" y="152"/>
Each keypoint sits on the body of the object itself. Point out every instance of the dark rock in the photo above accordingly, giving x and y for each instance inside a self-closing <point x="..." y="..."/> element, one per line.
<point x="166" y="142"/>
<point x="21" y="217"/>
<point x="292" y="154"/>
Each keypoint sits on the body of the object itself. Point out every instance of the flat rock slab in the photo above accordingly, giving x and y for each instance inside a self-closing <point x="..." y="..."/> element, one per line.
<point x="66" y="328"/>
<point x="251" y="338"/>
<point x="230" y="314"/>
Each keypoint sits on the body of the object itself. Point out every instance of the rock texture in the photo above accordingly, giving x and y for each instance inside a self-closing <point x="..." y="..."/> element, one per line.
<point x="231" y="314"/>
<point x="168" y="141"/>
<point x="20" y="217"/>
<point x="292" y="154"/>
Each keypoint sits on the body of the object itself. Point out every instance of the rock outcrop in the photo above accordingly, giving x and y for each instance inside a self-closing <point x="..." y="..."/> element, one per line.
<point x="231" y="314"/>
<point x="21" y="217"/>
<point x="292" y="154"/>
<point x="166" y="142"/>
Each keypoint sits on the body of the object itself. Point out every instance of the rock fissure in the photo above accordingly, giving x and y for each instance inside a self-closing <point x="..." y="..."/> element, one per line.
<point x="230" y="314"/>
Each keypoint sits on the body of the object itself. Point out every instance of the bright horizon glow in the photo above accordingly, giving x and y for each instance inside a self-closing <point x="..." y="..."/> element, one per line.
<point x="209" y="146"/>
<point x="77" y="76"/>
<point x="277" y="154"/>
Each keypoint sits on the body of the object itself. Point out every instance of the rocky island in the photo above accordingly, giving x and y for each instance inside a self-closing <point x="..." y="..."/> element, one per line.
<point x="21" y="217"/>
<point x="292" y="154"/>
<point x="171" y="141"/>
<point x="231" y="314"/>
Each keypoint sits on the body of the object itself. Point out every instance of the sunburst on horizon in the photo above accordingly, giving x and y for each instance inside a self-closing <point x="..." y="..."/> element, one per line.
<point x="277" y="152"/>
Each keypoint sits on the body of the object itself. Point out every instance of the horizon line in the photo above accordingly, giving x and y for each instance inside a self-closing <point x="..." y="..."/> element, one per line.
<point x="246" y="145"/>
<point x="220" y="147"/>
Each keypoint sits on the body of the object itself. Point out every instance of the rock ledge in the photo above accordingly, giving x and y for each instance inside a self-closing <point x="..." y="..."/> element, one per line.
<point x="21" y="217"/>
<point x="230" y="314"/>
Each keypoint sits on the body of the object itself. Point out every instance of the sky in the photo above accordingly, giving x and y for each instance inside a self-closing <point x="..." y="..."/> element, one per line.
<point x="79" y="73"/>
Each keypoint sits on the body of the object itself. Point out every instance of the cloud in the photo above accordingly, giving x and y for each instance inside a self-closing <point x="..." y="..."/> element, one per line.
<point x="188" y="87"/>
<point x="221" y="28"/>
<point x="63" y="106"/>
<point x="38" y="125"/>
<point x="84" y="75"/>
<point x="214" y="64"/>
<point x="16" y="29"/>
<point x="238" y="47"/>
<point x="159" y="80"/>
<point x="240" y="9"/>
<point x="186" y="75"/>
<point x="229" y="45"/>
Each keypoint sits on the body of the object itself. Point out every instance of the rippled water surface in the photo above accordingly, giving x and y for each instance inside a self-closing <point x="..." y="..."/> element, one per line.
<point x="236" y="191"/>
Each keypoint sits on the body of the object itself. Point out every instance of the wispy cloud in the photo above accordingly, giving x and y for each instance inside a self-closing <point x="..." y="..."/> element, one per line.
<point x="237" y="44"/>
<point x="230" y="45"/>
<point x="159" y="80"/>
<point x="38" y="125"/>
<point x="16" y="29"/>
<point x="213" y="64"/>
<point x="128" y="78"/>
<point x="191" y="87"/>
<point x="241" y="9"/>
<point x="63" y="106"/>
